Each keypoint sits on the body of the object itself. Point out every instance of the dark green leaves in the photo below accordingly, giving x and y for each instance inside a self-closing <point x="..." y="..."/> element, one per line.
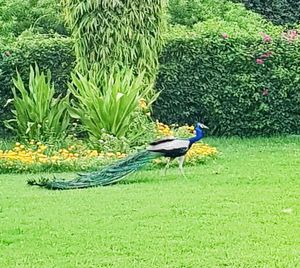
<point x="221" y="83"/>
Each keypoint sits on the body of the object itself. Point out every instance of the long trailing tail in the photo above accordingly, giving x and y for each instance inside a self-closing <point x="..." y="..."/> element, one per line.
<point x="105" y="176"/>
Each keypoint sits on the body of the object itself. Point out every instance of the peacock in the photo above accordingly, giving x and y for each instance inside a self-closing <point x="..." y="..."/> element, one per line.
<point x="171" y="148"/>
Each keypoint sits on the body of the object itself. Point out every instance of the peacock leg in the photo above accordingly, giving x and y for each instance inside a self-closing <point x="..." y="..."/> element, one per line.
<point x="180" y="161"/>
<point x="167" y="165"/>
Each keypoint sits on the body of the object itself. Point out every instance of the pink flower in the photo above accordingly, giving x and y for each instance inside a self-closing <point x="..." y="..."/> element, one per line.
<point x="266" y="38"/>
<point x="266" y="55"/>
<point x="260" y="61"/>
<point x="225" y="35"/>
<point x="265" y="92"/>
<point x="290" y="36"/>
<point x="292" y="33"/>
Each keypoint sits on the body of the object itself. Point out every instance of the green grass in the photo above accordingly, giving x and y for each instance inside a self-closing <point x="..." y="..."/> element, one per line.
<point x="239" y="210"/>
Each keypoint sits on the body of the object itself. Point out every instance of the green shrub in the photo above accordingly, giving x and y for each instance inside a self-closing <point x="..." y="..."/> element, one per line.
<point x="37" y="114"/>
<point x="185" y="12"/>
<point x="43" y="16"/>
<point x="125" y="33"/>
<point x="220" y="80"/>
<point x="278" y="11"/>
<point x="55" y="54"/>
<point x="191" y="12"/>
<point x="222" y="12"/>
<point x="107" y="105"/>
<point x="216" y="17"/>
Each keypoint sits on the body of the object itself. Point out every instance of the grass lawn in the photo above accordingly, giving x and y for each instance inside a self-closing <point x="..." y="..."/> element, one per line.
<point x="239" y="210"/>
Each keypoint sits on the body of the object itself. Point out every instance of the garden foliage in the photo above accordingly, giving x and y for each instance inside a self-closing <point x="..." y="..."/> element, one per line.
<point x="191" y="12"/>
<point x="238" y="86"/>
<point x="55" y="54"/>
<point x="75" y="155"/>
<point x="116" y="46"/>
<point x="37" y="113"/>
<point x="208" y="15"/>
<point x="42" y="16"/>
<point x="278" y="11"/>
<point x="217" y="64"/>
<point x="109" y="105"/>
<point x="108" y="33"/>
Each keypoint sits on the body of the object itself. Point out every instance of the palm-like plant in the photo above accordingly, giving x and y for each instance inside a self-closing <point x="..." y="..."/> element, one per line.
<point x="38" y="114"/>
<point x="107" y="105"/>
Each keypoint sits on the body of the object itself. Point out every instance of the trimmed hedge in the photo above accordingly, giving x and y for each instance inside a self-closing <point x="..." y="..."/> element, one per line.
<point x="54" y="53"/>
<point x="279" y="12"/>
<point x="222" y="81"/>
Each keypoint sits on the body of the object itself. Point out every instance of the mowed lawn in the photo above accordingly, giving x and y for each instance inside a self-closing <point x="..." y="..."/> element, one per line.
<point x="241" y="209"/>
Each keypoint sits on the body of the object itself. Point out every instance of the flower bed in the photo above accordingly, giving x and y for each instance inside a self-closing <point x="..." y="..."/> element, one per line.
<point x="35" y="156"/>
<point x="38" y="157"/>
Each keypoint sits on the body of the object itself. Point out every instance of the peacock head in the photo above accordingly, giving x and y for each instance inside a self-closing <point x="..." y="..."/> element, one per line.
<point x="200" y="126"/>
<point x="199" y="133"/>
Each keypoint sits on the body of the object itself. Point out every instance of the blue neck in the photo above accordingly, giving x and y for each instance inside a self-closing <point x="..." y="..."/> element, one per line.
<point x="199" y="136"/>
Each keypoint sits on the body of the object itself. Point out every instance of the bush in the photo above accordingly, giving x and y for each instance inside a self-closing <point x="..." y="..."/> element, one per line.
<point x="109" y="105"/>
<point x="37" y="114"/>
<point x="238" y="86"/>
<point x="185" y="12"/>
<point x="279" y="12"/>
<point x="200" y="17"/>
<point x="191" y="12"/>
<point x="223" y="12"/>
<point x="123" y="33"/>
<point x="55" y="54"/>
<point x="44" y="16"/>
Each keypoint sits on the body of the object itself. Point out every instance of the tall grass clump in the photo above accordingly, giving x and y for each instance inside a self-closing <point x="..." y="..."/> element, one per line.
<point x="108" y="105"/>
<point x="38" y="113"/>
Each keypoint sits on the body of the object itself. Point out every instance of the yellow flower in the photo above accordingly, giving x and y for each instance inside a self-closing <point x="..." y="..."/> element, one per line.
<point x="199" y="150"/>
<point x="143" y="103"/>
<point x="43" y="147"/>
<point x="42" y="160"/>
<point x="55" y="158"/>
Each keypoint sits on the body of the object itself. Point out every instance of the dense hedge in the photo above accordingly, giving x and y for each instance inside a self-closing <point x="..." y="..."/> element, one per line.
<point x="217" y="13"/>
<point x="222" y="81"/>
<point x="278" y="11"/>
<point x="216" y="79"/>
<point x="54" y="53"/>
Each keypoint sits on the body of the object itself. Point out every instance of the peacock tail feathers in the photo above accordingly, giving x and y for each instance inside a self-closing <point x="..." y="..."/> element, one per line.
<point x="105" y="176"/>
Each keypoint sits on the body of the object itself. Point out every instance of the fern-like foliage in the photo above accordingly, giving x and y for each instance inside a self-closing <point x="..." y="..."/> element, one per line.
<point x="110" y="32"/>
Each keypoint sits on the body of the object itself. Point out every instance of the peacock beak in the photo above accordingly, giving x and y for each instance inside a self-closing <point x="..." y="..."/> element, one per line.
<point x="203" y="126"/>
